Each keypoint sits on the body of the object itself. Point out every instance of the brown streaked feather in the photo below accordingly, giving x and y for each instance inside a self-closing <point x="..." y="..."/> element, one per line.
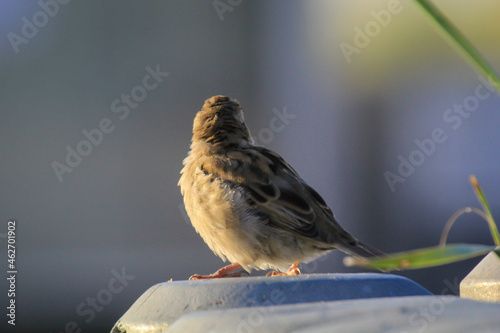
<point x="278" y="190"/>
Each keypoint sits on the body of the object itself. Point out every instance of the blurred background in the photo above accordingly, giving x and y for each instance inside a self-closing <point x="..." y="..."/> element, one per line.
<point x="358" y="81"/>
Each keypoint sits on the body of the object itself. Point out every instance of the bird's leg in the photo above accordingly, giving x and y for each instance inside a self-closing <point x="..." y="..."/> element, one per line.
<point x="226" y="271"/>
<point x="293" y="270"/>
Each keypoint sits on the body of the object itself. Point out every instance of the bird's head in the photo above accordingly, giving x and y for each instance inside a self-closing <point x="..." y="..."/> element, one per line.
<point x="221" y="121"/>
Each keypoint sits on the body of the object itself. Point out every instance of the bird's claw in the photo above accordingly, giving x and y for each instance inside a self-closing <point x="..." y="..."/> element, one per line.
<point x="224" y="272"/>
<point x="293" y="270"/>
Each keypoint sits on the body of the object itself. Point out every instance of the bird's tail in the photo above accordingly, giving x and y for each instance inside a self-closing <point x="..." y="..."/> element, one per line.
<point x="359" y="249"/>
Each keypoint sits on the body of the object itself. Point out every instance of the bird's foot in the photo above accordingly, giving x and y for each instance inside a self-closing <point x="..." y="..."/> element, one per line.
<point x="293" y="270"/>
<point x="224" y="272"/>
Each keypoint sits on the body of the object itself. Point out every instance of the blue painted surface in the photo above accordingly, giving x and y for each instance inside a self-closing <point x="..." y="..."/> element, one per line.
<point x="164" y="303"/>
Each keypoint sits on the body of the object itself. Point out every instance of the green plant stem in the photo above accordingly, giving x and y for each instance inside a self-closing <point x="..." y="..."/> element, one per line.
<point x="460" y="42"/>
<point x="486" y="208"/>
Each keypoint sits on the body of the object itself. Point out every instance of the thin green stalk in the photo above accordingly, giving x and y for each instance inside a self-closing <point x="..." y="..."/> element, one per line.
<point x="486" y="208"/>
<point x="460" y="42"/>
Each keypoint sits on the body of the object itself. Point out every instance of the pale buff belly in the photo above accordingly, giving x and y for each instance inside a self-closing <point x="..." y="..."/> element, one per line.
<point x="218" y="215"/>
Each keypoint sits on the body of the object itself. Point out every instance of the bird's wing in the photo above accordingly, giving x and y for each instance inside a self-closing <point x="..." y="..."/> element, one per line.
<point x="281" y="198"/>
<point x="304" y="212"/>
<point x="288" y="201"/>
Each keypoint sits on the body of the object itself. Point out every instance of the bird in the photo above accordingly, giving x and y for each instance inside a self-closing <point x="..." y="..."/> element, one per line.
<point x="249" y="205"/>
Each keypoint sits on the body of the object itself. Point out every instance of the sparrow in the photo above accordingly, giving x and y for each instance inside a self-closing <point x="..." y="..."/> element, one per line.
<point x="249" y="205"/>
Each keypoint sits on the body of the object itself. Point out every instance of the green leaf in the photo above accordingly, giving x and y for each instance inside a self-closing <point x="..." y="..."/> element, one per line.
<point x="422" y="258"/>
<point x="460" y="42"/>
